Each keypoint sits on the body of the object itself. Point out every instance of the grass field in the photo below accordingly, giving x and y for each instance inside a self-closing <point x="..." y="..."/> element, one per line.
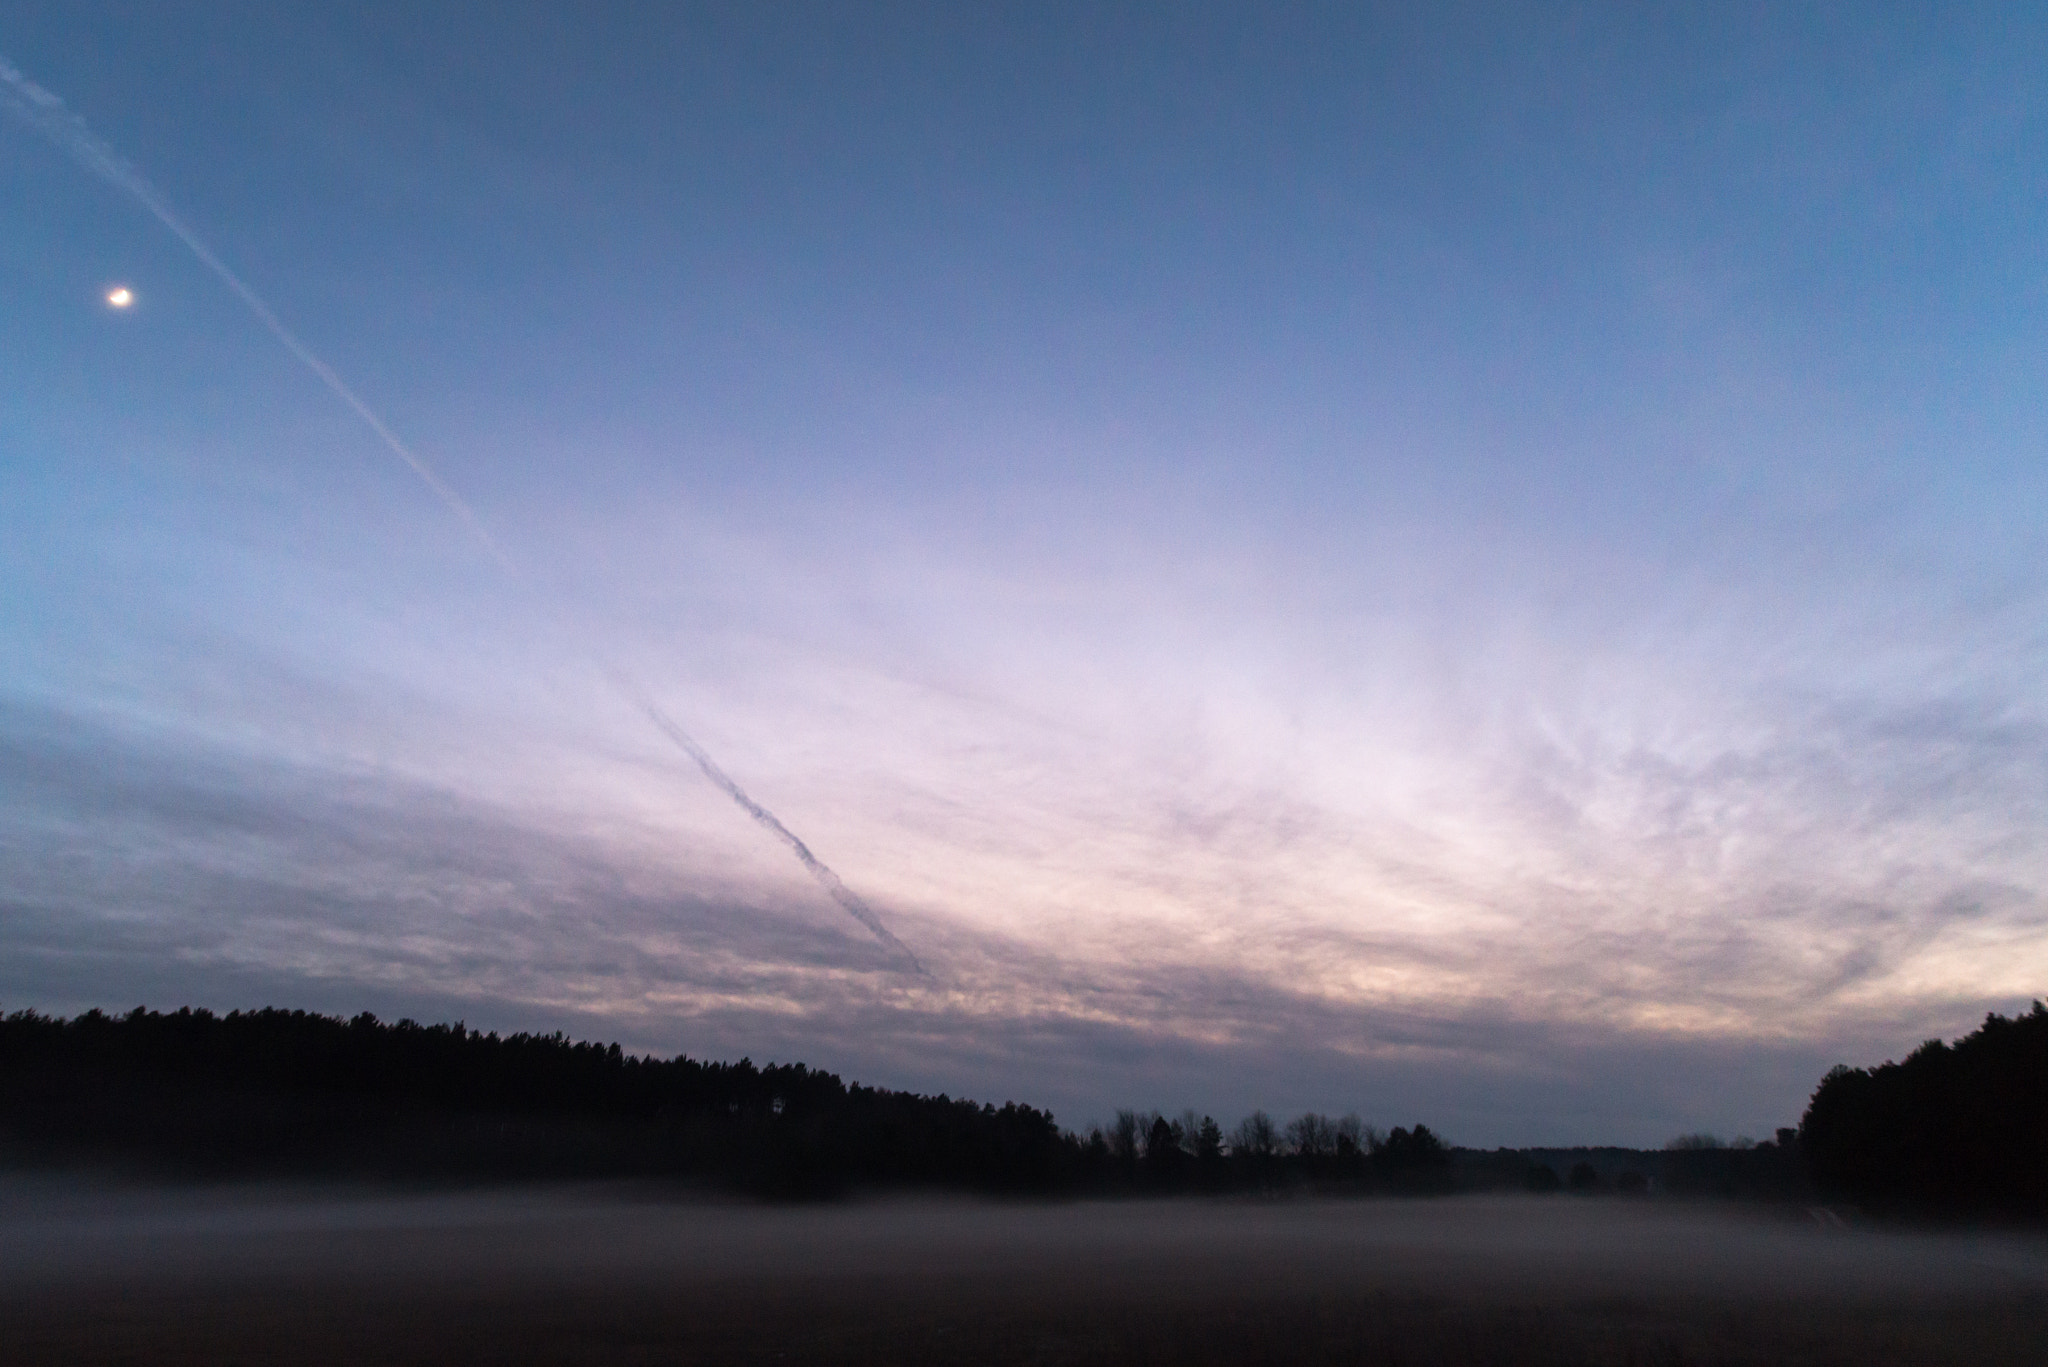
<point x="107" y="1275"/>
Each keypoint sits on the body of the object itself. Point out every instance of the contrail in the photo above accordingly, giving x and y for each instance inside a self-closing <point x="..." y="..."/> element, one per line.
<point x="48" y="115"/>
<point x="846" y="897"/>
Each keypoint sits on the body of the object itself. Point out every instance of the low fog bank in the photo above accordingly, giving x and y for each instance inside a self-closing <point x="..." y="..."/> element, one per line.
<point x="58" y="1233"/>
<point x="619" y="1275"/>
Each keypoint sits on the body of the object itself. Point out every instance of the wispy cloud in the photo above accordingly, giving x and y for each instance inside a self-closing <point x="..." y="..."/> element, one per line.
<point x="139" y="865"/>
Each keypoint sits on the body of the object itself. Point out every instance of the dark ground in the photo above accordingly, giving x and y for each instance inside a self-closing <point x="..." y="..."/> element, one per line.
<point x="105" y="1275"/>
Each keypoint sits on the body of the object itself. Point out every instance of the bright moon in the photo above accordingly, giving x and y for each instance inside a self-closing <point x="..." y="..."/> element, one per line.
<point x="120" y="296"/>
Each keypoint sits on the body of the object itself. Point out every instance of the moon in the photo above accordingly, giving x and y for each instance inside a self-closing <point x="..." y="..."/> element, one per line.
<point x="120" y="297"/>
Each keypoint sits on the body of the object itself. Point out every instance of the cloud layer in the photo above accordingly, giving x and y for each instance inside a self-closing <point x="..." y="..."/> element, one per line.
<point x="155" y="868"/>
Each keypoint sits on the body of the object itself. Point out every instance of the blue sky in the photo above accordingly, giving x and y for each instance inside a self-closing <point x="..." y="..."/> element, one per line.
<point x="1471" y="563"/>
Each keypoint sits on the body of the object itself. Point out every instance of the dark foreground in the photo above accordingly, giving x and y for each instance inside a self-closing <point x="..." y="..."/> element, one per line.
<point x="103" y="1276"/>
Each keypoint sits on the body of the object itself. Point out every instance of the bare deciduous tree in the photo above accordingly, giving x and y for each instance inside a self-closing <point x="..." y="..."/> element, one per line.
<point x="1312" y="1136"/>
<point x="1255" y="1136"/>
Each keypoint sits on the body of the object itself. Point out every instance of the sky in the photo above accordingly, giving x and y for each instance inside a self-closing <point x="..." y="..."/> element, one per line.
<point x="1475" y="564"/>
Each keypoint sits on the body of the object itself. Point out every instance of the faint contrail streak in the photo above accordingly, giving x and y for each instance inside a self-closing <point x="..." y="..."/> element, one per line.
<point x="846" y="897"/>
<point x="47" y="114"/>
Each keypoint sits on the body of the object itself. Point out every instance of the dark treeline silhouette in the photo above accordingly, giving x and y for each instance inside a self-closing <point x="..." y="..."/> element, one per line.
<point x="290" y="1092"/>
<point x="1956" y="1129"/>
<point x="276" y="1092"/>
<point x="1147" y="1153"/>
<point x="1689" y="1166"/>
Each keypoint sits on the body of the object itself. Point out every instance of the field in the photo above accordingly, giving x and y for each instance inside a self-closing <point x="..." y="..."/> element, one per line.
<point x="617" y="1276"/>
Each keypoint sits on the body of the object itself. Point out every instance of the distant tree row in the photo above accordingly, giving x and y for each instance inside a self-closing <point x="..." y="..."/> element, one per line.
<point x="1953" y="1129"/>
<point x="1148" y="1152"/>
<point x="293" y="1092"/>
<point x="276" y="1091"/>
<point x="1957" y="1129"/>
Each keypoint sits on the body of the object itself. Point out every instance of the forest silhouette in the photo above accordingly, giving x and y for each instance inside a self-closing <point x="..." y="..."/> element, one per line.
<point x="1950" y="1131"/>
<point x="1957" y="1130"/>
<point x="277" y="1092"/>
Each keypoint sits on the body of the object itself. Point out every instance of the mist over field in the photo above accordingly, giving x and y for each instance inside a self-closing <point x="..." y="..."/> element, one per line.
<point x="96" y="1274"/>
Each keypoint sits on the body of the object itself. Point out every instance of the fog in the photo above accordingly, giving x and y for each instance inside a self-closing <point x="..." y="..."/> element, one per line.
<point x="99" y="1271"/>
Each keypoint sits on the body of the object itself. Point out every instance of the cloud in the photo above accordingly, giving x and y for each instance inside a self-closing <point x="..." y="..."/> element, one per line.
<point x="141" y="866"/>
